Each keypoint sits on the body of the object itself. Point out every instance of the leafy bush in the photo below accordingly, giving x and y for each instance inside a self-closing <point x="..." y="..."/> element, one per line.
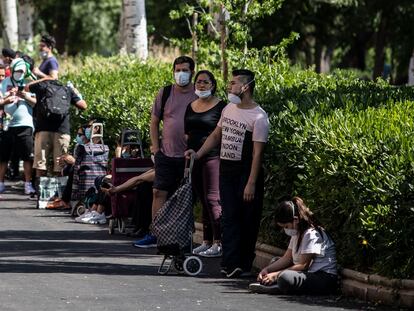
<point x="343" y="144"/>
<point x="118" y="90"/>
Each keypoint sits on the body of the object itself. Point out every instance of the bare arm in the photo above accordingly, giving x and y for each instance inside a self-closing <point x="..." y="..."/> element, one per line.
<point x="81" y="104"/>
<point x="282" y="263"/>
<point x="270" y="274"/>
<point x="155" y="134"/>
<point x="54" y="74"/>
<point x="31" y="100"/>
<point x="148" y="176"/>
<point x="250" y="188"/>
<point x="45" y="78"/>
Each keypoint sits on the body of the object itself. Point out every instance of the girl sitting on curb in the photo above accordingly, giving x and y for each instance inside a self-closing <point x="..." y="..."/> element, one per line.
<point x="309" y="264"/>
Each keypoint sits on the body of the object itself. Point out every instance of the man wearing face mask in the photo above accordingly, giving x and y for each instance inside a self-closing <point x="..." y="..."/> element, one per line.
<point x="168" y="153"/>
<point x="49" y="66"/>
<point x="18" y="104"/>
<point x="242" y="131"/>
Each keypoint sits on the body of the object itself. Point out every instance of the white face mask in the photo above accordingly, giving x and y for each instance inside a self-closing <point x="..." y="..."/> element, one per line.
<point x="234" y="98"/>
<point x="182" y="78"/>
<point x="203" y="94"/>
<point x="290" y="232"/>
<point x="43" y="54"/>
<point x="18" y="76"/>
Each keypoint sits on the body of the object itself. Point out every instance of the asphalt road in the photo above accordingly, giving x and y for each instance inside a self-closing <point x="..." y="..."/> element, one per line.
<point x="49" y="262"/>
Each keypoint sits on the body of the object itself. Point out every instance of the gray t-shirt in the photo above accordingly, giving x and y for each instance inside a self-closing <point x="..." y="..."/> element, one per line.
<point x="314" y="243"/>
<point x="173" y="142"/>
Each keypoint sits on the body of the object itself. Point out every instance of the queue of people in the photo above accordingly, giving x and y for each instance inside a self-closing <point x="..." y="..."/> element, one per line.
<point x="227" y="137"/>
<point x="29" y="130"/>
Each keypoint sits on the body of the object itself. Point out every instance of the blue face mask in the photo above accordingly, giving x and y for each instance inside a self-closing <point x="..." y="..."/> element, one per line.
<point x="79" y="140"/>
<point x="88" y="133"/>
<point x="125" y="155"/>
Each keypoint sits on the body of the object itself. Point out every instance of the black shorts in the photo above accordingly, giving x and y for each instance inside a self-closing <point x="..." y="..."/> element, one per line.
<point x="17" y="141"/>
<point x="168" y="172"/>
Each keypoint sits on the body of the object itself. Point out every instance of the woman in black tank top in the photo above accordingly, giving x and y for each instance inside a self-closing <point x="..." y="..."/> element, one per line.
<point x="200" y="121"/>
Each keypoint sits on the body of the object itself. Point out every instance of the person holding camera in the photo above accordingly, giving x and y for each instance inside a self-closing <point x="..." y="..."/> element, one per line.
<point x="18" y="133"/>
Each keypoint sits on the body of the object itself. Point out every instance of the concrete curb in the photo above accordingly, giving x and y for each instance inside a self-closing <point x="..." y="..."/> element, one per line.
<point x="367" y="287"/>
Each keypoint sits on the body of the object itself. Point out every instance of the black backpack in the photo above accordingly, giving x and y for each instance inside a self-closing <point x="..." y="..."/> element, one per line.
<point x="56" y="101"/>
<point x="165" y="94"/>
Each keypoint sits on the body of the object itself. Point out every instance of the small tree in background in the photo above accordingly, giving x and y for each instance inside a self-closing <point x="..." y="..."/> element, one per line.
<point x="10" y="25"/>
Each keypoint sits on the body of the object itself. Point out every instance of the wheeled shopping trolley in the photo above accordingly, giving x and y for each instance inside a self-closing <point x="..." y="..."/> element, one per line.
<point x="174" y="227"/>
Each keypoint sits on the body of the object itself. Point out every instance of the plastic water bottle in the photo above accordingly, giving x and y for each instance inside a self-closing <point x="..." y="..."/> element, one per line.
<point x="6" y="122"/>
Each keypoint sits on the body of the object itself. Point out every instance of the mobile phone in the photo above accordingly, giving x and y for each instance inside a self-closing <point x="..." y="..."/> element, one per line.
<point x="20" y="88"/>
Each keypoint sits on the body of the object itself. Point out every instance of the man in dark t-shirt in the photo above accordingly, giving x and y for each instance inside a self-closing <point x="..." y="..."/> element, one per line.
<point x="52" y="137"/>
<point x="49" y="66"/>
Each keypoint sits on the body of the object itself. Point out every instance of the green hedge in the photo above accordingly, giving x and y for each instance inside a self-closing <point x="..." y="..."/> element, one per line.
<point x="343" y="144"/>
<point x="118" y="90"/>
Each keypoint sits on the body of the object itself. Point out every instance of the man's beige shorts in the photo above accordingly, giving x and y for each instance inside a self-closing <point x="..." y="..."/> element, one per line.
<point x="49" y="144"/>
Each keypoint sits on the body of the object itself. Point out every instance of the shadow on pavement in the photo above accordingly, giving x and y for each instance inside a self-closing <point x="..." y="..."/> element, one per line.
<point x="36" y="266"/>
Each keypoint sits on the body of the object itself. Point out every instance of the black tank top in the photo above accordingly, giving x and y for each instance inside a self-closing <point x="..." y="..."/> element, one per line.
<point x="199" y="125"/>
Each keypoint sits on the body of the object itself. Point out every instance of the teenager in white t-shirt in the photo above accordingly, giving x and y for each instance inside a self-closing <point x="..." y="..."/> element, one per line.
<point x="309" y="264"/>
<point x="242" y="133"/>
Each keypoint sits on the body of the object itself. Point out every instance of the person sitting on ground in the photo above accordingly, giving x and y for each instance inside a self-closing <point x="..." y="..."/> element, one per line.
<point x="67" y="162"/>
<point x="96" y="214"/>
<point x="309" y="264"/>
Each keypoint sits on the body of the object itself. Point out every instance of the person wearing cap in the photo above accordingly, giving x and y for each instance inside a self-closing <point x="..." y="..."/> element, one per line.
<point x="49" y="66"/>
<point x="19" y="135"/>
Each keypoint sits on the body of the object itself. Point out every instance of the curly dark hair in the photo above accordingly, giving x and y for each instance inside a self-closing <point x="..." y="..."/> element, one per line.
<point x="48" y="40"/>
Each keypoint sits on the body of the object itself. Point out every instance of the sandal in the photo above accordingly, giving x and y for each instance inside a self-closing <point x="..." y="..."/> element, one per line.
<point x="57" y="204"/>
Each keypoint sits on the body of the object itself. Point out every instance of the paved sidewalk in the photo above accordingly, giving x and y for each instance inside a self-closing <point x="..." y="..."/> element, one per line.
<point x="49" y="262"/>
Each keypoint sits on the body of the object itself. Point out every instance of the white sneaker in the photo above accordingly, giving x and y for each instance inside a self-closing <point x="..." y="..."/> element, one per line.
<point x="84" y="215"/>
<point x="19" y="185"/>
<point x="203" y="247"/>
<point x="2" y="187"/>
<point x="28" y="188"/>
<point x="96" y="219"/>
<point x="214" y="251"/>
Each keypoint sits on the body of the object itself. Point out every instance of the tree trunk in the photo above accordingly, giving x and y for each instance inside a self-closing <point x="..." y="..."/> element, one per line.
<point x="318" y="54"/>
<point x="194" y="49"/>
<point x="326" y="60"/>
<point x="224" y="17"/>
<point x="62" y="18"/>
<point x="135" y="28"/>
<point x="380" y="42"/>
<point x="10" y="23"/>
<point x="26" y="11"/>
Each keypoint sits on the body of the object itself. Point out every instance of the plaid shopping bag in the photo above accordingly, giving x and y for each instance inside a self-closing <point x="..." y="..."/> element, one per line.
<point x="174" y="222"/>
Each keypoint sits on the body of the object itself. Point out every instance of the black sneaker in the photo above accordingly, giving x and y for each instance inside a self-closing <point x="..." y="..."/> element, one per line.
<point x="235" y="273"/>
<point x="259" y="288"/>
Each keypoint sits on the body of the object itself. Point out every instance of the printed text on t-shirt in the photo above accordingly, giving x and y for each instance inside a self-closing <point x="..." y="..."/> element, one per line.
<point x="232" y="138"/>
